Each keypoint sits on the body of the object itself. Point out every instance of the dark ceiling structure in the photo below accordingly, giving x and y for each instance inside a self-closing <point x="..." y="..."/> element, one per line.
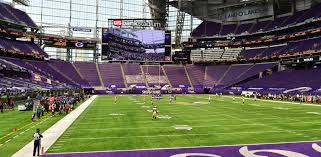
<point x="212" y="9"/>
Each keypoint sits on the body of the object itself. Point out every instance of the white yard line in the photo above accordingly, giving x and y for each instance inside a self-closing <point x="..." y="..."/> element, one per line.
<point x="200" y="126"/>
<point x="182" y="135"/>
<point x="55" y="131"/>
<point x="201" y="119"/>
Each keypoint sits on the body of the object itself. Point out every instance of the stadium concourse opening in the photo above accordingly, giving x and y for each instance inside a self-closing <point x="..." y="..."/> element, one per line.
<point x="155" y="78"/>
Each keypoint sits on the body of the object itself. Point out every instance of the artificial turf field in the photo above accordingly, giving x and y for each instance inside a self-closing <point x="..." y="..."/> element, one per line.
<point x="127" y="125"/>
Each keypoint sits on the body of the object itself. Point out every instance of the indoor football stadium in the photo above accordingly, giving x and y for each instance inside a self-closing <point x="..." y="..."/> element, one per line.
<point x="160" y="78"/>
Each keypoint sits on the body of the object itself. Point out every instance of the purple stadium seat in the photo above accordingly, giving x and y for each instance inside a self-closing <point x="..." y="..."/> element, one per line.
<point x="111" y="75"/>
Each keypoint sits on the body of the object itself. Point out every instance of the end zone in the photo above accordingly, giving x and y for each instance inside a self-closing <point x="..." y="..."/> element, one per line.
<point x="294" y="149"/>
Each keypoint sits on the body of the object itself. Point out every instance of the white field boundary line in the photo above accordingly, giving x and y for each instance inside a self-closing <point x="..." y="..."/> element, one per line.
<point x="200" y="126"/>
<point x="55" y="131"/>
<point x="182" y="135"/>
<point x="264" y="100"/>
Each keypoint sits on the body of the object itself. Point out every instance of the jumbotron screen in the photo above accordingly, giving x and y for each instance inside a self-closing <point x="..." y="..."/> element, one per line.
<point x="133" y="44"/>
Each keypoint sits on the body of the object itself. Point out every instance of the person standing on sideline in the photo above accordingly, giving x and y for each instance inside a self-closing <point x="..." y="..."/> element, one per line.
<point x="1" y="106"/>
<point x="37" y="142"/>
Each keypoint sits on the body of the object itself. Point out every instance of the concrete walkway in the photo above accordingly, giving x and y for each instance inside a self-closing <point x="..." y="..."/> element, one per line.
<point x="55" y="131"/>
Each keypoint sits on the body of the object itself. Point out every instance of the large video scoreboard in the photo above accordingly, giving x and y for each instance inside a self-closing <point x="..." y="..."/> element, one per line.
<point x="136" y="39"/>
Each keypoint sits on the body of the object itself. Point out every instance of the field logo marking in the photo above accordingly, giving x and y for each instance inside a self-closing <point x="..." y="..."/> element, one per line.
<point x="164" y="117"/>
<point x="316" y="147"/>
<point x="195" y="154"/>
<point x="182" y="127"/>
<point x="251" y="153"/>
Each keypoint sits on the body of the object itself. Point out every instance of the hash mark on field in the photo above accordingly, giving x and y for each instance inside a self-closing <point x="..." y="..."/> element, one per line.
<point x="15" y="136"/>
<point x="280" y="108"/>
<point x="56" y="147"/>
<point x="7" y="141"/>
<point x="317" y="113"/>
<point x="61" y="141"/>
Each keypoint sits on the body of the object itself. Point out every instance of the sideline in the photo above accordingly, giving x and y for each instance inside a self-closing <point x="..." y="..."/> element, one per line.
<point x="55" y="131"/>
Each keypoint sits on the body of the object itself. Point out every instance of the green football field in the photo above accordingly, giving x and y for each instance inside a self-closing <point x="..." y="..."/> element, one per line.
<point x="189" y="121"/>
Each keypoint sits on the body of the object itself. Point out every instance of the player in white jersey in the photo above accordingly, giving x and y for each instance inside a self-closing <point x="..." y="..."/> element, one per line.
<point x="171" y="97"/>
<point x="155" y="111"/>
<point x="209" y="99"/>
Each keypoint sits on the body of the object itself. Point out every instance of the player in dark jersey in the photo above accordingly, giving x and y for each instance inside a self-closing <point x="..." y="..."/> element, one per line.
<point x="37" y="142"/>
